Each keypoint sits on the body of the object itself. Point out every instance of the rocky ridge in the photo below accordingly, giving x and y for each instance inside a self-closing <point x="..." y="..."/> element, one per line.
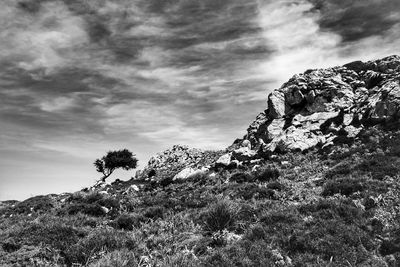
<point x="322" y="105"/>
<point x="317" y="108"/>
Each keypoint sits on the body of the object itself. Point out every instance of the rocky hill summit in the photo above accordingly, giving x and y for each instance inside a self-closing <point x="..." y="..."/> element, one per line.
<point x="324" y="105"/>
<point x="314" y="182"/>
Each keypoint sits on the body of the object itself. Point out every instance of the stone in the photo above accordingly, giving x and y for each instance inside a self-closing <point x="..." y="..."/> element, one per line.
<point x="134" y="188"/>
<point x="276" y="105"/>
<point x="105" y="210"/>
<point x="246" y="143"/>
<point x="275" y="128"/>
<point x="243" y="154"/>
<point x="224" y="160"/>
<point x="352" y="131"/>
<point x="185" y="174"/>
<point x="294" y="96"/>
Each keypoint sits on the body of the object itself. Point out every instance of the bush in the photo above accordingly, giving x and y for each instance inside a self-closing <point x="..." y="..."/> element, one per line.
<point x="267" y="174"/>
<point x="345" y="186"/>
<point x="88" y="209"/>
<point x="128" y="221"/>
<point x="101" y="239"/>
<point x="380" y="166"/>
<point x="35" y="204"/>
<point x="219" y="217"/>
<point x="276" y="186"/>
<point x="241" y="177"/>
<point x="253" y="191"/>
<point x="154" y="213"/>
<point x="340" y="170"/>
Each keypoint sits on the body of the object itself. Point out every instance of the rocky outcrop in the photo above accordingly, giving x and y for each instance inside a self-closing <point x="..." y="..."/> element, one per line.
<point x="172" y="161"/>
<point x="316" y="107"/>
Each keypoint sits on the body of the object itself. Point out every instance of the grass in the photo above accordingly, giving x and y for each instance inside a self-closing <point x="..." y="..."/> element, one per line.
<point x="331" y="208"/>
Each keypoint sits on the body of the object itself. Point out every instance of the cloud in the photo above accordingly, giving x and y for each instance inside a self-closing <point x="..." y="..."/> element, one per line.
<point x="355" y="20"/>
<point x="81" y="77"/>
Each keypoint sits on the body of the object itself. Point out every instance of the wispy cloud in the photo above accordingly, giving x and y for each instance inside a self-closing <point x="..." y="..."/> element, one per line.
<point x="81" y="77"/>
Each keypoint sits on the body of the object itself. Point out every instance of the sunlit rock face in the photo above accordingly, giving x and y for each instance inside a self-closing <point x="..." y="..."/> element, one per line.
<point x="316" y="107"/>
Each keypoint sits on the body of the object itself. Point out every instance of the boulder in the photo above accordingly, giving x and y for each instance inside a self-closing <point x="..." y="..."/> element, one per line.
<point x="276" y="105"/>
<point x="243" y="154"/>
<point x="185" y="174"/>
<point x="224" y="160"/>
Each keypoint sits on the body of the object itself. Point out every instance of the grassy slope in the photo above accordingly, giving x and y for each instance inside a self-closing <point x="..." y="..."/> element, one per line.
<point x="337" y="207"/>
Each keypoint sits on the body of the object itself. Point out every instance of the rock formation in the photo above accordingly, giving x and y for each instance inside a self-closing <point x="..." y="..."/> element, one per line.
<point x="318" y="106"/>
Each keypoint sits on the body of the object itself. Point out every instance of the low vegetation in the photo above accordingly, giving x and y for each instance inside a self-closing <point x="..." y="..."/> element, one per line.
<point x="336" y="207"/>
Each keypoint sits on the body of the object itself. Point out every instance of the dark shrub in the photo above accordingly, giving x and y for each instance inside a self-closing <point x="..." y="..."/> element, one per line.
<point x="102" y="239"/>
<point x="339" y="170"/>
<point x="166" y="181"/>
<point x="201" y="247"/>
<point x="241" y="177"/>
<point x="220" y="216"/>
<point x="345" y="186"/>
<point x="89" y="209"/>
<point x="128" y="221"/>
<point x="267" y="174"/>
<point x="276" y="186"/>
<point x="380" y="166"/>
<point x="256" y="232"/>
<point x="109" y="202"/>
<point x="154" y="213"/>
<point x="10" y="246"/>
<point x="249" y="191"/>
<point x="54" y="234"/>
<point x="280" y="217"/>
<point x="330" y="209"/>
<point x="35" y="204"/>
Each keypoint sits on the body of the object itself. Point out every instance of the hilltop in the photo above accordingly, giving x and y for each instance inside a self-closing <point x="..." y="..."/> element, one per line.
<point x="314" y="182"/>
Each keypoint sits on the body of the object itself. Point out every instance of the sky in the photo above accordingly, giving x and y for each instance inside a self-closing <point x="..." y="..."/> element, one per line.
<point x="81" y="77"/>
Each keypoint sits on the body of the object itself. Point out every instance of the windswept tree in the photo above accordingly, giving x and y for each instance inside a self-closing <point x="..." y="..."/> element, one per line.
<point x="114" y="160"/>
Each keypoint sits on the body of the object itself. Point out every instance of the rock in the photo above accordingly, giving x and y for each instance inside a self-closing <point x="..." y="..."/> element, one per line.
<point x="224" y="160"/>
<point x="243" y="154"/>
<point x="352" y="131"/>
<point x="294" y="96"/>
<point x="185" y="174"/>
<point x="134" y="188"/>
<point x="276" y="105"/>
<point x="295" y="139"/>
<point x="246" y="143"/>
<point x="275" y="128"/>
<point x="105" y="210"/>
<point x="313" y="108"/>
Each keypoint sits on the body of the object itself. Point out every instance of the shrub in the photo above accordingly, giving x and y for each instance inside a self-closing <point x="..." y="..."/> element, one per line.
<point x="250" y="191"/>
<point x="276" y="186"/>
<point x="331" y="209"/>
<point x="35" y="204"/>
<point x="128" y="221"/>
<point x="101" y="239"/>
<point x="267" y="174"/>
<point x="340" y="170"/>
<point x="154" y="213"/>
<point x="88" y="209"/>
<point x="345" y="186"/>
<point x="220" y="216"/>
<point x="380" y="166"/>
<point x="241" y="177"/>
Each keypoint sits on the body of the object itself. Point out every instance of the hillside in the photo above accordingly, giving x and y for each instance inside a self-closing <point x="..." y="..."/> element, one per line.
<point x="314" y="182"/>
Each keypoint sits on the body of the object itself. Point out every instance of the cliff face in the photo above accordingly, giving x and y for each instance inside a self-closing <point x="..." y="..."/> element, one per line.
<point x="320" y="106"/>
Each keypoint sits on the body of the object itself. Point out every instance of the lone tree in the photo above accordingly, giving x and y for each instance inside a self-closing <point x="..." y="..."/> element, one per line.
<point x="113" y="160"/>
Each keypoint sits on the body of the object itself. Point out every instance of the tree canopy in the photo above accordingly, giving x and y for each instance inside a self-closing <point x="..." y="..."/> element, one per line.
<point x="114" y="160"/>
